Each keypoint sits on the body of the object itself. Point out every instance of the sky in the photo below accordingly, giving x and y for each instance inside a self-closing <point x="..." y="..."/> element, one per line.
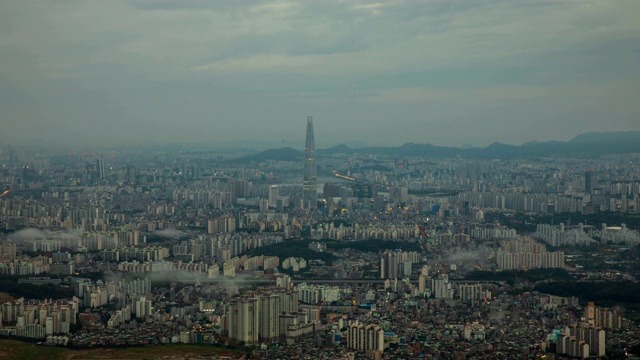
<point x="113" y="73"/>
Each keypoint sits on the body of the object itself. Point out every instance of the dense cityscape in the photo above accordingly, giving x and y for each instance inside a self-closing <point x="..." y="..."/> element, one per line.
<point x="319" y="180"/>
<point x="322" y="254"/>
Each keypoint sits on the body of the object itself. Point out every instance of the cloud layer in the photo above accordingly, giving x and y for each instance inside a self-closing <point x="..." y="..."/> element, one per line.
<point x="123" y="72"/>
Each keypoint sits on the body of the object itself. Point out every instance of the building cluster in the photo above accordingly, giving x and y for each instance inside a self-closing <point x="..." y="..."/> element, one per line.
<point x="526" y="253"/>
<point x="441" y="288"/>
<point x="562" y="236"/>
<point x="492" y="233"/>
<point x="94" y="294"/>
<point x="139" y="253"/>
<point x="221" y="247"/>
<point x="318" y="246"/>
<point x="321" y="293"/>
<point x="38" y="319"/>
<point x="294" y="263"/>
<point x="525" y="202"/>
<point x="268" y="316"/>
<point x="198" y="222"/>
<point x="585" y="235"/>
<point x="368" y="339"/>
<point x="619" y="235"/>
<point x="581" y="341"/>
<point x="25" y="265"/>
<point x="397" y="264"/>
<point x="367" y="232"/>
<point x="587" y="336"/>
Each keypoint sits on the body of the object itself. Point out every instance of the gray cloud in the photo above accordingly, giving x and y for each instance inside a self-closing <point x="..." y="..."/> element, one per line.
<point x="30" y="234"/>
<point x="230" y="285"/>
<point x="114" y="72"/>
<point x="27" y="235"/>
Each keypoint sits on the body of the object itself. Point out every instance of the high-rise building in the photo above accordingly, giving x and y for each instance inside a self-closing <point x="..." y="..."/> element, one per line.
<point x="441" y="287"/>
<point x="422" y="283"/>
<point x="309" y="179"/>
<point x="266" y="317"/>
<point x="588" y="182"/>
<point x="330" y="190"/>
<point x="273" y="195"/>
<point x="100" y="169"/>
<point x="244" y="320"/>
<point x="369" y="338"/>
<point x="472" y="293"/>
<point x="131" y="174"/>
<point x="390" y="263"/>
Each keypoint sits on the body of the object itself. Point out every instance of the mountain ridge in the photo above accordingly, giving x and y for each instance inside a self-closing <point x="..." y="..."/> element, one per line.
<point x="587" y="144"/>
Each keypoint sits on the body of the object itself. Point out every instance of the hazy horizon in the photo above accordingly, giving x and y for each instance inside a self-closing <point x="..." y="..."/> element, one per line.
<point x="110" y="73"/>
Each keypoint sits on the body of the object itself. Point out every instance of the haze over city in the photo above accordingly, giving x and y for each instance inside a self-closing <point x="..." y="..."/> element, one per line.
<point x="319" y="180"/>
<point x="448" y="73"/>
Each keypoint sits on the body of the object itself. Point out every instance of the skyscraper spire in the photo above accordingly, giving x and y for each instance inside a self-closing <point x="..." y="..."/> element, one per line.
<point x="309" y="179"/>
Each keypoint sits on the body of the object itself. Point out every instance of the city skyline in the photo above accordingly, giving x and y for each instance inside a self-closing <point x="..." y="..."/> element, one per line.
<point x="125" y="73"/>
<point x="230" y="255"/>
<point x="275" y="143"/>
<point x="473" y="191"/>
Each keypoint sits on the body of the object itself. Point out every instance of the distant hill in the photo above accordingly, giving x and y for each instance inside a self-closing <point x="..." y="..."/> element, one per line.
<point x="588" y="144"/>
<point x="281" y="154"/>
<point x="338" y="149"/>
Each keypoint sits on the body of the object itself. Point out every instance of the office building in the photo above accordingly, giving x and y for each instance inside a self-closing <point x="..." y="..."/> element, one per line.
<point x="100" y="169"/>
<point x="309" y="179"/>
<point x="273" y="195"/>
<point x="588" y="182"/>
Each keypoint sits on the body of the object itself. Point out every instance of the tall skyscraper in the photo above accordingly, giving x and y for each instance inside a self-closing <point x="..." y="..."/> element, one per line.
<point x="100" y="168"/>
<point x="588" y="182"/>
<point x="273" y="195"/>
<point x="310" y="178"/>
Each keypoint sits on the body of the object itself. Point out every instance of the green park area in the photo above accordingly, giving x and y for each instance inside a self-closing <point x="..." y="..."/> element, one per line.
<point x="300" y="248"/>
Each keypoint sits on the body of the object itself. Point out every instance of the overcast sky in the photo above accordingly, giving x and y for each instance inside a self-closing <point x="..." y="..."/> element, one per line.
<point x="441" y="72"/>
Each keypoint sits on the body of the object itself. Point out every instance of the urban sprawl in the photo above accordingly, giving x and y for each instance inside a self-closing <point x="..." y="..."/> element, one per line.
<point x="322" y="254"/>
